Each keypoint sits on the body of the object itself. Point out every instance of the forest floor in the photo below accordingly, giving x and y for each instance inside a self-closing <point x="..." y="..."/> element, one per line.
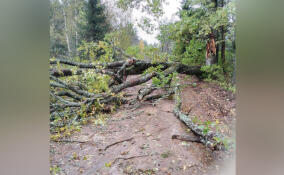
<point x="142" y="134"/>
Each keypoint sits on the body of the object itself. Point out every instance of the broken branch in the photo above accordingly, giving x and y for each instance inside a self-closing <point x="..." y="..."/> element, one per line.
<point x="117" y="143"/>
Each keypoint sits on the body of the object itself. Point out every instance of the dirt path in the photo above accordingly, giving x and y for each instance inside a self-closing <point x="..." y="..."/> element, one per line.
<point x="149" y="148"/>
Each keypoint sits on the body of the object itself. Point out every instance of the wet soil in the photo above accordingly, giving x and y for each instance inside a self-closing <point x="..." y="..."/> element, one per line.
<point x="143" y="137"/>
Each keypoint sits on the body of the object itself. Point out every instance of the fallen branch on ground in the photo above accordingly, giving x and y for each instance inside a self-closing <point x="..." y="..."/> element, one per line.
<point x="70" y="141"/>
<point x="207" y="138"/>
<point x="187" y="138"/>
<point x="127" y="158"/>
<point x="117" y="143"/>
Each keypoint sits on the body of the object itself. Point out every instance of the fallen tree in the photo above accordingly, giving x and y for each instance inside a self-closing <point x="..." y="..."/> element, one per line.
<point x="81" y="101"/>
<point x="212" y="140"/>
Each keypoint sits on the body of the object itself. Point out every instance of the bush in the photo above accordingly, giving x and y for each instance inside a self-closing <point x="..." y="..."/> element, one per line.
<point x="95" y="51"/>
<point x="213" y="72"/>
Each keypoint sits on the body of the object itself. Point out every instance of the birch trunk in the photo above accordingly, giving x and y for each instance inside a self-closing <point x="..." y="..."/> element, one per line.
<point x="66" y="32"/>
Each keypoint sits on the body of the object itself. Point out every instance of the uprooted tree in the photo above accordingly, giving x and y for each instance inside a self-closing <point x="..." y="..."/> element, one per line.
<point x="83" y="90"/>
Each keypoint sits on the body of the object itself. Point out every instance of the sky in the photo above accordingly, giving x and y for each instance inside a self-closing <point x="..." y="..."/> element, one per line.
<point x="170" y="8"/>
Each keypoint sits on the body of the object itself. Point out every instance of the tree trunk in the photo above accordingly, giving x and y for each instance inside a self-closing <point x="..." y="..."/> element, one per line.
<point x="66" y="31"/>
<point x="217" y="50"/>
<point x="223" y="44"/>
<point x="213" y="58"/>
<point x="76" y="28"/>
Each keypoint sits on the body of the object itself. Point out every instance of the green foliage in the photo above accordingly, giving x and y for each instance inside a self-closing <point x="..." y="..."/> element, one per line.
<point x="207" y="126"/>
<point x="157" y="69"/>
<point x="63" y="122"/>
<point x="96" y="21"/>
<point x="96" y="83"/>
<point x="166" y="154"/>
<point x="100" y="119"/>
<point x="108" y="165"/>
<point x="194" y="53"/>
<point x="123" y="37"/>
<point x="135" y="52"/>
<point x="58" y="45"/>
<point x="227" y="142"/>
<point x="151" y="6"/>
<point x="146" y="25"/>
<point x="165" y="38"/>
<point x="150" y="53"/>
<point x="161" y="80"/>
<point x="54" y="170"/>
<point x="66" y="19"/>
<point x="88" y="50"/>
<point x="95" y="51"/>
<point x="64" y="130"/>
<point x="187" y="38"/>
<point x="214" y="72"/>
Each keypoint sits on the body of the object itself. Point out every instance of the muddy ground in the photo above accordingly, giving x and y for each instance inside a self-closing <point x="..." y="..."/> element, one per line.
<point x="143" y="137"/>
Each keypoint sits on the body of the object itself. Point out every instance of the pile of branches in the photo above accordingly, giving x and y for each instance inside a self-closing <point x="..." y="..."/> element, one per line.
<point x="118" y="71"/>
<point x="76" y="97"/>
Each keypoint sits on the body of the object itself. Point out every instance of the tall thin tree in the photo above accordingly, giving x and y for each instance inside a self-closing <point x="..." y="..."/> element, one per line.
<point x="97" y="24"/>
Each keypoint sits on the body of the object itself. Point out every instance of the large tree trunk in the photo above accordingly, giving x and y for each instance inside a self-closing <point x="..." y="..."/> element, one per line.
<point x="137" y="67"/>
<point x="210" y="50"/>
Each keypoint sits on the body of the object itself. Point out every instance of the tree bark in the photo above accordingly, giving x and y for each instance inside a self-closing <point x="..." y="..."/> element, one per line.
<point x="138" y="67"/>
<point x="76" y="27"/>
<point x="66" y="31"/>
<point x="215" y="58"/>
<point x="64" y="72"/>
<point x="131" y="83"/>
<point x="223" y="44"/>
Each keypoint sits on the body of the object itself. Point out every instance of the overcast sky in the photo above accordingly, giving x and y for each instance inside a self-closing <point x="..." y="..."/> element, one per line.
<point x="170" y="9"/>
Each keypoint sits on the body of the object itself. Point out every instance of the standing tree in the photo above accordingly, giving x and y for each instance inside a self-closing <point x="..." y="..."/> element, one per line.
<point x="97" y="25"/>
<point x="223" y="44"/>
<point x="201" y="23"/>
<point x="65" y="18"/>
